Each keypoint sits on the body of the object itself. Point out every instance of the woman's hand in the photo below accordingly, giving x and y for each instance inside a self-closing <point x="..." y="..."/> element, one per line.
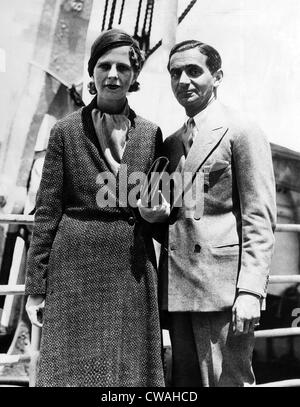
<point x="34" y="307"/>
<point x="157" y="214"/>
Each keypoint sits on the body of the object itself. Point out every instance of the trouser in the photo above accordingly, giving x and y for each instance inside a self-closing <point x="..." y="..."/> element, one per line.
<point x="206" y="353"/>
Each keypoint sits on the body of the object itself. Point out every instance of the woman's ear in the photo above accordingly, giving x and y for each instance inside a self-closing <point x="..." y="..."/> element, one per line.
<point x="92" y="88"/>
<point x="135" y="76"/>
<point x="135" y="86"/>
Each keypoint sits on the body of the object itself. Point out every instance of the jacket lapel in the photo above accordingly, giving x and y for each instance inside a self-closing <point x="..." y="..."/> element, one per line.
<point x="176" y="153"/>
<point x="202" y="147"/>
<point x="213" y="129"/>
<point x="210" y="135"/>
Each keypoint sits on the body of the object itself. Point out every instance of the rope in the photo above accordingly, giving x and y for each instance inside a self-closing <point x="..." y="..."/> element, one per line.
<point x="183" y="15"/>
<point x="153" y="49"/>
<point x="104" y="15"/>
<point x="138" y="19"/>
<point x="186" y="11"/>
<point x="112" y="14"/>
<point x="148" y="11"/>
<point x="145" y="38"/>
<point x="121" y="11"/>
<point x="151" y="19"/>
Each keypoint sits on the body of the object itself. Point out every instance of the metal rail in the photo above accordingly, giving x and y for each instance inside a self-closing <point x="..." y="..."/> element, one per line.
<point x="14" y="359"/>
<point x="276" y="333"/>
<point x="17" y="219"/>
<point x="12" y="289"/>
<point x="291" y="278"/>
<point x="8" y="381"/>
<point x="268" y="333"/>
<point x="287" y="227"/>
<point x="19" y="289"/>
<point x="281" y="383"/>
<point x="29" y="219"/>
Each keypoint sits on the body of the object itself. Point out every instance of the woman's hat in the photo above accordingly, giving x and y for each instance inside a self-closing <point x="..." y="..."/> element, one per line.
<point x="114" y="38"/>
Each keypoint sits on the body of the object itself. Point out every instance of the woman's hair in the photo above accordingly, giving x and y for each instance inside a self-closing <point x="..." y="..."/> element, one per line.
<point x="115" y="38"/>
<point x="213" y="62"/>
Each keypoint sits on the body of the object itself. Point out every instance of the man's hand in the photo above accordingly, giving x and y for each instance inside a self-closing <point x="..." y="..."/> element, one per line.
<point x="157" y="214"/>
<point x="245" y="313"/>
<point x="34" y="307"/>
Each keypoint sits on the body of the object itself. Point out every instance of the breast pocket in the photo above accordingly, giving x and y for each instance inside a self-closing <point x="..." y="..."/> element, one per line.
<point x="219" y="170"/>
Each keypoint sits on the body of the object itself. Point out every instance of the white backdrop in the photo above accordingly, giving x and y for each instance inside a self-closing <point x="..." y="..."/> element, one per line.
<point x="259" y="41"/>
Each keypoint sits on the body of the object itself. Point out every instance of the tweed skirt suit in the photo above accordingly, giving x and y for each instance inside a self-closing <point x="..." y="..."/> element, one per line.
<point x="95" y="265"/>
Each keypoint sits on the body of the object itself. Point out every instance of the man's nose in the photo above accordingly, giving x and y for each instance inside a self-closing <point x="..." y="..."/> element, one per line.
<point x="184" y="78"/>
<point x="113" y="73"/>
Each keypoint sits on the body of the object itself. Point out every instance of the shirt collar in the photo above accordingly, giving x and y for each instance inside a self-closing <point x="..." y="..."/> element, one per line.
<point x="200" y="117"/>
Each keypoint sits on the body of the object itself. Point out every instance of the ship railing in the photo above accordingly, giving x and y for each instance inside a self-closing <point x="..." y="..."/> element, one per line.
<point x="35" y="332"/>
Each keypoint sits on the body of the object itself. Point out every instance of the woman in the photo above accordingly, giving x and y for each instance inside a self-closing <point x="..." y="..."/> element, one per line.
<point x="95" y="265"/>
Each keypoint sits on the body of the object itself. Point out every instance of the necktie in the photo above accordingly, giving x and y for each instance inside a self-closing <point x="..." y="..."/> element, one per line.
<point x="191" y="131"/>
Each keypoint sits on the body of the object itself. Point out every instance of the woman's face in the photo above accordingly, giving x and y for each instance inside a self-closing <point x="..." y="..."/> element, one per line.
<point x="113" y="74"/>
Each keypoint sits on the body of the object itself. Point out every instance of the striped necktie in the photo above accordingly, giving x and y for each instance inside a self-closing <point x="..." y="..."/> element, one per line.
<point x="189" y="135"/>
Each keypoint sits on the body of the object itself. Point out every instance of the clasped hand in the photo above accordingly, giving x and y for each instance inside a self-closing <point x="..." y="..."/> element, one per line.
<point x="245" y="313"/>
<point x="156" y="214"/>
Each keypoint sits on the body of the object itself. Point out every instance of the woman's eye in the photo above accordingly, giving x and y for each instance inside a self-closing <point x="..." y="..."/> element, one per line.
<point x="104" y="67"/>
<point x="123" y="68"/>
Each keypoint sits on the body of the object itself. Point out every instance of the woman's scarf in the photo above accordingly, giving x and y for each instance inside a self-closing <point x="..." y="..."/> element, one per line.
<point x="112" y="132"/>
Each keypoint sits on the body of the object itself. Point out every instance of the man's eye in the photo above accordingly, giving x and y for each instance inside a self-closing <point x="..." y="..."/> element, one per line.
<point x="175" y="73"/>
<point x="194" y="71"/>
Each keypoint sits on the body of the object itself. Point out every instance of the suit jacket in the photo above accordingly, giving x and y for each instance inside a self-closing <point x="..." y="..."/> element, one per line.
<point x="226" y="241"/>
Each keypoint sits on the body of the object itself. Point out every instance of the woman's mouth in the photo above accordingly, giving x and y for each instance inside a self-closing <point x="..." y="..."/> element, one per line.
<point x="112" y="86"/>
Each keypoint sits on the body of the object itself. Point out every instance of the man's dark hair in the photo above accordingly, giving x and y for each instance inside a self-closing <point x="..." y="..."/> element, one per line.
<point x="213" y="62"/>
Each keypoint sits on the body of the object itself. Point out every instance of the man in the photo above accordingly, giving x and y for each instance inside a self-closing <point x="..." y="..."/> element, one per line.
<point x="217" y="257"/>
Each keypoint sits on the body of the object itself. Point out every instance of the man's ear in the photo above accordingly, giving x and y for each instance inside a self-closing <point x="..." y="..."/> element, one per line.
<point x="218" y="75"/>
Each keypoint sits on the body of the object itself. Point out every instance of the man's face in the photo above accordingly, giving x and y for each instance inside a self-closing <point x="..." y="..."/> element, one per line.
<point x="191" y="80"/>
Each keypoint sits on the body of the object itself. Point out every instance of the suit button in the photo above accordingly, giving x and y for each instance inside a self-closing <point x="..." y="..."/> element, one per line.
<point x="197" y="248"/>
<point x="131" y="221"/>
